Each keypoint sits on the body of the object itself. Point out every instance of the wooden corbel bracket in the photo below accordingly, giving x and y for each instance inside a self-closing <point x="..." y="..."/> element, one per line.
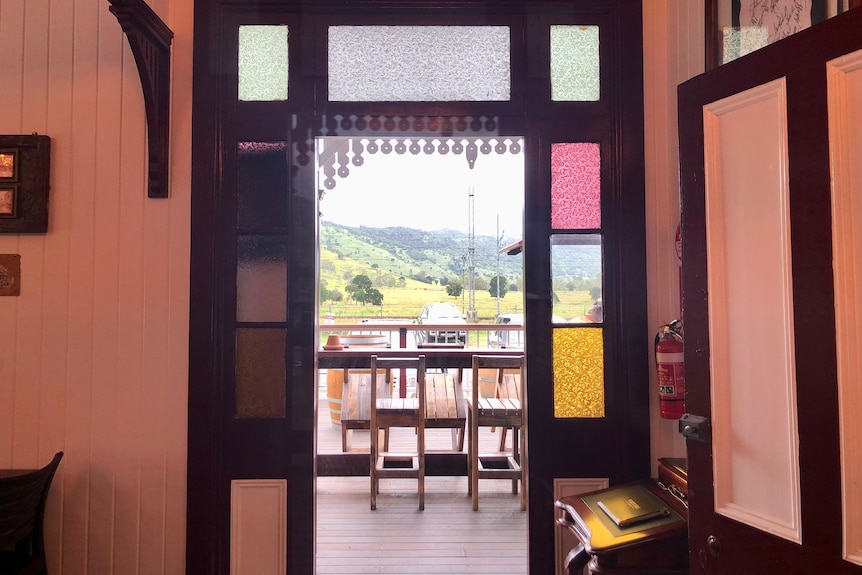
<point x="150" y="40"/>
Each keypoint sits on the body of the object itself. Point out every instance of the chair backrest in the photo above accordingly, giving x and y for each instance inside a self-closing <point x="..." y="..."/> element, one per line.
<point x="389" y="364"/>
<point x="503" y="364"/>
<point x="22" y="509"/>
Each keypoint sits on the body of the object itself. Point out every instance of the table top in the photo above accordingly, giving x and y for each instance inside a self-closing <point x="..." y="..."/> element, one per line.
<point x="435" y="357"/>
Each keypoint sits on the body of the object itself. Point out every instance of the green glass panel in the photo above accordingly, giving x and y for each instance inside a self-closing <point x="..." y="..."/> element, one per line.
<point x="262" y="70"/>
<point x="579" y="372"/>
<point x="261" y="373"/>
<point x="575" y="63"/>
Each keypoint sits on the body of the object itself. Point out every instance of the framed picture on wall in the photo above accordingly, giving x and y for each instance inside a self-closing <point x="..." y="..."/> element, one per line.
<point x="24" y="181"/>
<point x="735" y="28"/>
<point x="8" y="200"/>
<point x="8" y="165"/>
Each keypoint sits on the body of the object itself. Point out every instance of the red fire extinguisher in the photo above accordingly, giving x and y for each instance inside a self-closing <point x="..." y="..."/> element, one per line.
<point x="671" y="370"/>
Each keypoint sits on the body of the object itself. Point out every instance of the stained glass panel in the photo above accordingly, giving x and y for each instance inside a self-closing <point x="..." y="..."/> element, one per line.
<point x="575" y="63"/>
<point x="262" y="186"/>
<point x="579" y="372"/>
<point x="419" y="63"/>
<point x="261" y="278"/>
<point x="261" y="373"/>
<point x="576" y="186"/>
<point x="263" y="68"/>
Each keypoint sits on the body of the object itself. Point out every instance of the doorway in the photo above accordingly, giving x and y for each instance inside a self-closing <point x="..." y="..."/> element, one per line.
<point x="426" y="228"/>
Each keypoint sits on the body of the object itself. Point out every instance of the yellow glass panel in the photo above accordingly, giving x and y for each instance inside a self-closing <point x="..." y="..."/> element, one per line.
<point x="579" y="373"/>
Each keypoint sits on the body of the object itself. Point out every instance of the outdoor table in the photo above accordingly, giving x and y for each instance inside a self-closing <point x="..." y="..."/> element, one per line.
<point x="435" y="358"/>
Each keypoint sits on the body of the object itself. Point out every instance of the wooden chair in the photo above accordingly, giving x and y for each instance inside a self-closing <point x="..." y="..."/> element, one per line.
<point x="356" y="404"/>
<point x="22" y="511"/>
<point x="398" y="412"/>
<point x="498" y="412"/>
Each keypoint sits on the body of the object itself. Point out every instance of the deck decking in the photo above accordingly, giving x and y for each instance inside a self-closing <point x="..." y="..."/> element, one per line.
<point x="398" y="539"/>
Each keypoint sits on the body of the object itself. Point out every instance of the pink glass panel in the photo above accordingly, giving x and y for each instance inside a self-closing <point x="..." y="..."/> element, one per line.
<point x="575" y="186"/>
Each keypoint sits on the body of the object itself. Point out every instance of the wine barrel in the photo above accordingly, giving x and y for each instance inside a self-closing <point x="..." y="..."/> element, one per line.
<point x="334" y="388"/>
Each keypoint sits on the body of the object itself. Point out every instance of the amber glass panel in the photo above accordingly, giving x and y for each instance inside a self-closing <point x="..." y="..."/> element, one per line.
<point x="574" y="63"/>
<point x="261" y="279"/>
<point x="579" y="372"/>
<point x="262" y="185"/>
<point x="263" y="63"/>
<point x="576" y="186"/>
<point x="261" y="372"/>
<point x="419" y="63"/>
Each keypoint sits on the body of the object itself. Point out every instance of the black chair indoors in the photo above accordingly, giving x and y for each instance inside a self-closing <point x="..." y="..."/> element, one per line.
<point x="22" y="511"/>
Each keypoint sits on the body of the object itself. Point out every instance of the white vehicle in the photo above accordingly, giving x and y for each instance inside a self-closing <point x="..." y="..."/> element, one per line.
<point x="503" y="338"/>
<point x="442" y="314"/>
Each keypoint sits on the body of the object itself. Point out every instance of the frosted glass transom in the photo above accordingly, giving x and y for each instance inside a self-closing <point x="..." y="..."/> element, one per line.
<point x="419" y="63"/>
<point x="576" y="186"/>
<point x="575" y="63"/>
<point x="263" y="68"/>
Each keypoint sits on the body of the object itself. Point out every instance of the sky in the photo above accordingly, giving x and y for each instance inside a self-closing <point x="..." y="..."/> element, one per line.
<point x="430" y="192"/>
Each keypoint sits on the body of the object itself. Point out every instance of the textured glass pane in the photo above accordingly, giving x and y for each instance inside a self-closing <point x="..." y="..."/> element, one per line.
<point x="262" y="63"/>
<point x="262" y="185"/>
<point x="574" y="63"/>
<point x="261" y="278"/>
<point x="738" y="42"/>
<point x="576" y="186"/>
<point x="576" y="275"/>
<point x="579" y="372"/>
<point x="419" y="63"/>
<point x="261" y="372"/>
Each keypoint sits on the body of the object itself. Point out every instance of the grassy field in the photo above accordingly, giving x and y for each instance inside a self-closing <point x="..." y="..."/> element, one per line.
<point x="406" y="302"/>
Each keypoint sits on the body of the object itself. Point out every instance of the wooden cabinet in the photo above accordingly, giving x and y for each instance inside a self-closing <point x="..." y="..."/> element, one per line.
<point x="657" y="546"/>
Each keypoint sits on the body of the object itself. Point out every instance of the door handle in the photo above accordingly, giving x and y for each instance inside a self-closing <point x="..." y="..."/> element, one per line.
<point x="695" y="427"/>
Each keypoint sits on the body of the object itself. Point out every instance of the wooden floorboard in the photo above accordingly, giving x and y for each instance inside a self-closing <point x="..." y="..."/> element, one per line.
<point x="448" y="537"/>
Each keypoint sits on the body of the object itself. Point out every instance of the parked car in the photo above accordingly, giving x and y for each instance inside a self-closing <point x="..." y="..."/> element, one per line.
<point x="503" y="338"/>
<point x="507" y="337"/>
<point x="441" y="313"/>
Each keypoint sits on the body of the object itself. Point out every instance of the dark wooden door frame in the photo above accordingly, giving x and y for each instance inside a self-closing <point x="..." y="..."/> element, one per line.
<point x="557" y="447"/>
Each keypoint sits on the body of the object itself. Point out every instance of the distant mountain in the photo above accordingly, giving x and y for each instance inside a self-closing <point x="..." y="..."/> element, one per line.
<point x="409" y="252"/>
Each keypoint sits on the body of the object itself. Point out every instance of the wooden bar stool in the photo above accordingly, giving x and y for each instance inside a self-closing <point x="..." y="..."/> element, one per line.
<point x="390" y="412"/>
<point x="498" y="412"/>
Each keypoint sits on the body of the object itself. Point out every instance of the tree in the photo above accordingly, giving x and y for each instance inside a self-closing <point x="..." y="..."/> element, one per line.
<point x="498" y="282"/>
<point x="454" y="288"/>
<point x="363" y="291"/>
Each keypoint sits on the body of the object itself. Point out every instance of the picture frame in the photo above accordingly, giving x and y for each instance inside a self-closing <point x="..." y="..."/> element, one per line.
<point x="8" y="165"/>
<point x="8" y="200"/>
<point x="24" y="183"/>
<point x="737" y="27"/>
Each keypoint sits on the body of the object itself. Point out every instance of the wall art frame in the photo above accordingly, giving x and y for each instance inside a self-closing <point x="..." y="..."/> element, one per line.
<point x="25" y="162"/>
<point x="734" y="28"/>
